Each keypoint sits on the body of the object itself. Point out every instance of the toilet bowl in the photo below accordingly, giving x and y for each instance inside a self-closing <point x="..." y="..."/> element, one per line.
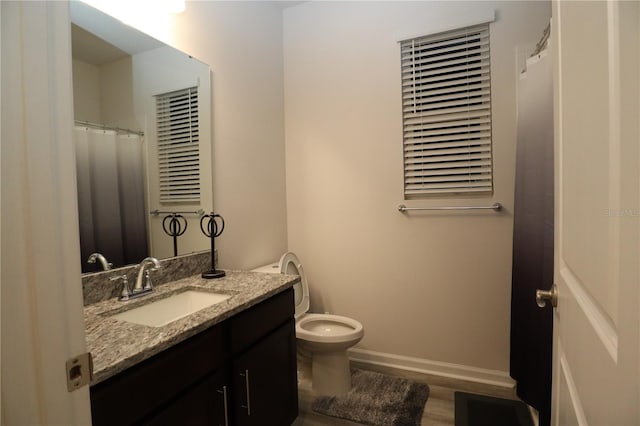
<point x="324" y="337"/>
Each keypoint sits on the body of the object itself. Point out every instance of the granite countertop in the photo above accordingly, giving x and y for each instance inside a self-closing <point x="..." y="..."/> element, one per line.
<point x="117" y="345"/>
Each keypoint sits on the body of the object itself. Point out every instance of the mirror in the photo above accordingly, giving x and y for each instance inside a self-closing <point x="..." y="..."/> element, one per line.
<point x="143" y="142"/>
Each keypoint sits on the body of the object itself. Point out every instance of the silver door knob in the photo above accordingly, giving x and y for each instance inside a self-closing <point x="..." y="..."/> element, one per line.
<point x="551" y="295"/>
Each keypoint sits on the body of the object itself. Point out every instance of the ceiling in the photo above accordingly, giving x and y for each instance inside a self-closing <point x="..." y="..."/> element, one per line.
<point x="92" y="49"/>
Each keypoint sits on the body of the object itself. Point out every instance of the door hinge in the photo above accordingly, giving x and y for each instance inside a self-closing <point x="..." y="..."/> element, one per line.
<point x="79" y="371"/>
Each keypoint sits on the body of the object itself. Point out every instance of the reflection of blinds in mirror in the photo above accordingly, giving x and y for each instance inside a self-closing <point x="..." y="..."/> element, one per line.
<point x="178" y="146"/>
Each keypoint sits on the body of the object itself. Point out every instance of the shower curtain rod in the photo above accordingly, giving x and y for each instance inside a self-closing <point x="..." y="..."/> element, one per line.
<point x="157" y="212"/>
<point x="104" y="127"/>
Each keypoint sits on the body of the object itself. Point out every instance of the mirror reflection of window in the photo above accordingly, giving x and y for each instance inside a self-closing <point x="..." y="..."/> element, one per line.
<point x="178" y="146"/>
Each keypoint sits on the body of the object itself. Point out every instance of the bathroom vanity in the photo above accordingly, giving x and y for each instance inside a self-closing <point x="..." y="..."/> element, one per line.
<point x="233" y="363"/>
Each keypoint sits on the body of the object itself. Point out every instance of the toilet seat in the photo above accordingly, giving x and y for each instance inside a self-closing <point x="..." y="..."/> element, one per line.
<point x="290" y="264"/>
<point x="327" y="328"/>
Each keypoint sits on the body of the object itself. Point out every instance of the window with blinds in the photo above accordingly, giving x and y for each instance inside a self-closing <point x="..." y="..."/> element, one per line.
<point x="178" y="146"/>
<point x="446" y="99"/>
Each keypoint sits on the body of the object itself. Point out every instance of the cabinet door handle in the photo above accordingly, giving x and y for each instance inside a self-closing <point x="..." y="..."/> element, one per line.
<point x="226" y="411"/>
<point x="246" y="383"/>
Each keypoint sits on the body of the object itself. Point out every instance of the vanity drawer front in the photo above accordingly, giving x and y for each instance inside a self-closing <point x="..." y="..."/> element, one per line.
<point x="129" y="396"/>
<point x="202" y="405"/>
<point x="256" y="322"/>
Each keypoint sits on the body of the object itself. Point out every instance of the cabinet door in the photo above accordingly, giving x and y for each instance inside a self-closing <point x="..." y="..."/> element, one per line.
<point x="206" y="404"/>
<point x="264" y="380"/>
<point x="152" y="385"/>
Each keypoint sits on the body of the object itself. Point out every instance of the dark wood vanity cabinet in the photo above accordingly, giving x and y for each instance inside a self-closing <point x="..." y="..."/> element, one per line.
<point x="239" y="372"/>
<point x="202" y="404"/>
<point x="262" y="380"/>
<point x="128" y="397"/>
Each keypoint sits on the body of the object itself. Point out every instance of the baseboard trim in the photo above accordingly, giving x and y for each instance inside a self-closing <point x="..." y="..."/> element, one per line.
<point x="436" y="368"/>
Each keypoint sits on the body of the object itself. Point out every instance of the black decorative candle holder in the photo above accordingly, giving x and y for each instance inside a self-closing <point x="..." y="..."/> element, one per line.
<point x="174" y="225"/>
<point x="212" y="230"/>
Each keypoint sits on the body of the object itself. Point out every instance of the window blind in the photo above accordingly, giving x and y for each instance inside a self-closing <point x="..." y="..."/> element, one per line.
<point x="446" y="101"/>
<point x="178" y="146"/>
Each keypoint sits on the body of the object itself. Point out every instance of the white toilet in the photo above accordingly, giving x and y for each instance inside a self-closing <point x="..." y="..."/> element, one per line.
<point x="326" y="337"/>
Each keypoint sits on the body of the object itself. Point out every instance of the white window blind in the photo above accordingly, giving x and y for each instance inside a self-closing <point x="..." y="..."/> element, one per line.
<point x="178" y="146"/>
<point x="446" y="98"/>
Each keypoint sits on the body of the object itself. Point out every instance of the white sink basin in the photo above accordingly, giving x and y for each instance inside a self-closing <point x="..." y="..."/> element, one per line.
<point x="172" y="308"/>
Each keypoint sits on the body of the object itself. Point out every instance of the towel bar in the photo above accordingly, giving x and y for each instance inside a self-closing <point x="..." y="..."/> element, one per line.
<point x="495" y="207"/>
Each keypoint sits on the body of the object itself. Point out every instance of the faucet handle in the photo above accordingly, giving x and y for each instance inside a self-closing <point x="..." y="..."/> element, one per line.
<point x="125" y="293"/>
<point x="148" y="286"/>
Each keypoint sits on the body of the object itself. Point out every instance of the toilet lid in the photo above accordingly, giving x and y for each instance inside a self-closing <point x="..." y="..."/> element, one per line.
<point x="290" y="264"/>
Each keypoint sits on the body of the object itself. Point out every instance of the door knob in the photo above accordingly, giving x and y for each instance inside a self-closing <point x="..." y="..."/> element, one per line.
<point x="551" y="295"/>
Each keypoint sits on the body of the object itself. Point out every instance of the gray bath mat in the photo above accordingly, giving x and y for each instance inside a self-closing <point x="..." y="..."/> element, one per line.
<point x="378" y="400"/>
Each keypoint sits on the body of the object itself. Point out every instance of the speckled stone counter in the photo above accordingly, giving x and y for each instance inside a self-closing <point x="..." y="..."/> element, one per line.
<point x="117" y="345"/>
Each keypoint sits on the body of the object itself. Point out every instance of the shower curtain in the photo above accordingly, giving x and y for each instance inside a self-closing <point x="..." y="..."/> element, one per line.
<point x="531" y="326"/>
<point x="111" y="196"/>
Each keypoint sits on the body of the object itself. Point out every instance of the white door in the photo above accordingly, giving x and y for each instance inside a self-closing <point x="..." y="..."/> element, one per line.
<point x="597" y="243"/>
<point x="41" y="316"/>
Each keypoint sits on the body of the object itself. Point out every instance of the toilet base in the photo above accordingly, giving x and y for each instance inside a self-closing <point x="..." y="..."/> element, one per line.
<point x="303" y="358"/>
<point x="331" y="374"/>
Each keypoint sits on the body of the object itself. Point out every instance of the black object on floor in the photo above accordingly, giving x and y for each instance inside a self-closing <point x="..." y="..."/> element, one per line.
<point x="480" y="410"/>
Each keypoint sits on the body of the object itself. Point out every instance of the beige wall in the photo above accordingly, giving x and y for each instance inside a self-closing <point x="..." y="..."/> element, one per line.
<point x="86" y="92"/>
<point x="103" y="94"/>
<point x="435" y="286"/>
<point x="242" y="43"/>
<point x="116" y="94"/>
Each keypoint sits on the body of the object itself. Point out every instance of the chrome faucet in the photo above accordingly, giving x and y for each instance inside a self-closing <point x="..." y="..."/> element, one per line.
<point x="139" y="288"/>
<point x="106" y="265"/>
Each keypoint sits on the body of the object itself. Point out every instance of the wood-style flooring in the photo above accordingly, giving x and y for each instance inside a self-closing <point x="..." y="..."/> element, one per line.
<point x="439" y="410"/>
